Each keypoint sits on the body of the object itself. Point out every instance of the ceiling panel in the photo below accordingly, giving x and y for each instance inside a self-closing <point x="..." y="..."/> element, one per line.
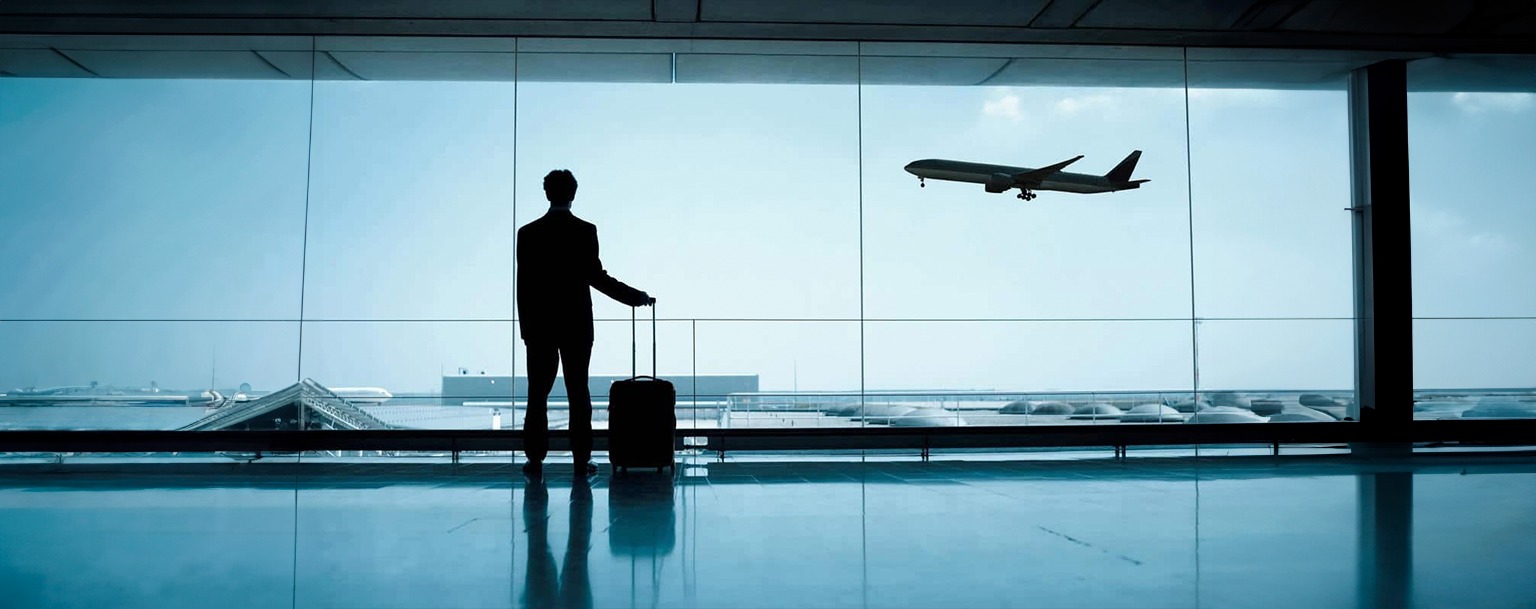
<point x="1269" y="75"/>
<point x="38" y="63"/>
<point x="1042" y="51"/>
<point x="296" y="64"/>
<point x="725" y="61"/>
<point x="157" y="43"/>
<point x="415" y="44"/>
<point x="1279" y="68"/>
<point x="1379" y="16"/>
<point x="398" y="65"/>
<point x="1479" y="73"/>
<point x="1063" y="13"/>
<point x="595" y="67"/>
<point x="1165" y="14"/>
<point x="949" y="71"/>
<point x="1089" y="73"/>
<point x="676" y="10"/>
<point x="950" y="12"/>
<point x="1447" y="26"/>
<point x="414" y="9"/>
<point x="775" y="69"/>
<point x="1523" y="25"/>
<point x="176" y="64"/>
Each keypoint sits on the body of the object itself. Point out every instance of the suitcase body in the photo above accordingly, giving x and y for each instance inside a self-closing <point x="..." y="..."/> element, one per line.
<point x="642" y="415"/>
<point x="642" y="423"/>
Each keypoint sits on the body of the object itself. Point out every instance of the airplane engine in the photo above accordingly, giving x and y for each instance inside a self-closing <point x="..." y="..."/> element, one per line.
<point x="999" y="182"/>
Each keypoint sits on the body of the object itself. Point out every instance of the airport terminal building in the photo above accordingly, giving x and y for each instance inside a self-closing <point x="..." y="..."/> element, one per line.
<point x="1055" y="303"/>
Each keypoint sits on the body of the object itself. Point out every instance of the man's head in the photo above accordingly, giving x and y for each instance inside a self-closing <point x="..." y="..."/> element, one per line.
<point x="560" y="186"/>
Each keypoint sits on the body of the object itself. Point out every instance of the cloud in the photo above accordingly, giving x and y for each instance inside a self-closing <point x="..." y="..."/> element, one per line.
<point x="1097" y="103"/>
<point x="1479" y="103"/>
<point x="1006" y="107"/>
<point x="1449" y="228"/>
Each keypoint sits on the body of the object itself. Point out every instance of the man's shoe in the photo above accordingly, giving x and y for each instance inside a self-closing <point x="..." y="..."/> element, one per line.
<point x="586" y="469"/>
<point x="533" y="468"/>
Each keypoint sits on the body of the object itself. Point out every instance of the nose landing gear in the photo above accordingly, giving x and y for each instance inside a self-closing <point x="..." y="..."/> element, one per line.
<point x="921" y="183"/>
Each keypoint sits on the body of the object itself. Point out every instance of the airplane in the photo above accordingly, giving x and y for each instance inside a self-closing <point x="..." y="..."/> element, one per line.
<point x="361" y="395"/>
<point x="1002" y="178"/>
<point x="96" y="394"/>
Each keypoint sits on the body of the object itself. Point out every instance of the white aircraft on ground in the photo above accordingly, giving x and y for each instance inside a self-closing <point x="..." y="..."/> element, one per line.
<point x="1002" y="178"/>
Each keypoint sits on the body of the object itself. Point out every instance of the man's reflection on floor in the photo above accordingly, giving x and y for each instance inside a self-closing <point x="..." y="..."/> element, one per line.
<point x="572" y="586"/>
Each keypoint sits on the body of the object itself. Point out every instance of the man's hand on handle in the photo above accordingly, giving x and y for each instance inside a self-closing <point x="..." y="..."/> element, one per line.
<point x="646" y="300"/>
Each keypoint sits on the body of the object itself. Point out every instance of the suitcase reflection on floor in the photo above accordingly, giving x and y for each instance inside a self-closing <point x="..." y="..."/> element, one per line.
<point x="642" y="519"/>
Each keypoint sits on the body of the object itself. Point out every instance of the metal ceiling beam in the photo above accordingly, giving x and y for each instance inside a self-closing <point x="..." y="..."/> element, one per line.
<point x="245" y="26"/>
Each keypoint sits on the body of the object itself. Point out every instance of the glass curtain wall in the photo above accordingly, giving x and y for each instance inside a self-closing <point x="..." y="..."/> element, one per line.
<point x="724" y="181"/>
<point x="409" y="266"/>
<point x="1271" y="234"/>
<point x="1066" y="308"/>
<point x="1472" y="135"/>
<point x="221" y="219"/>
<point x="152" y="226"/>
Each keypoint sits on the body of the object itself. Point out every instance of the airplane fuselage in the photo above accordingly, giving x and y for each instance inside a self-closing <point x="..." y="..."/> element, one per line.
<point x="984" y="173"/>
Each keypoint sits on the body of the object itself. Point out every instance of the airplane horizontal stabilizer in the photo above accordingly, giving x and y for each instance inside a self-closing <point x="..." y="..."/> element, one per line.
<point x="1035" y="176"/>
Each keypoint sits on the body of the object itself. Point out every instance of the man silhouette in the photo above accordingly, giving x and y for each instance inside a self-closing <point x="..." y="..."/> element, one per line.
<point x="557" y="265"/>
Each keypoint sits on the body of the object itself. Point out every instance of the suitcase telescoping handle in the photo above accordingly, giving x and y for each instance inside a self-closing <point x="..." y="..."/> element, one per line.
<point x="634" y="349"/>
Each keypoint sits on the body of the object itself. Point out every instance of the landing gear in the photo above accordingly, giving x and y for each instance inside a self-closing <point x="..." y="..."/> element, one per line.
<point x="1026" y="194"/>
<point x="921" y="183"/>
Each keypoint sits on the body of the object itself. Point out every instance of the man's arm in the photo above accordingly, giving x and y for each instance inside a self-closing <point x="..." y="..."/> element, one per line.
<point x="605" y="283"/>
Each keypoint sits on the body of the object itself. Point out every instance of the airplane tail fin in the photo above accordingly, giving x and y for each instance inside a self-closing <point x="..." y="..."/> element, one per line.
<point x="1122" y="172"/>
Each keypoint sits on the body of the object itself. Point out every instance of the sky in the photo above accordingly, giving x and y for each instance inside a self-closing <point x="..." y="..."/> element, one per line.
<point x="197" y="232"/>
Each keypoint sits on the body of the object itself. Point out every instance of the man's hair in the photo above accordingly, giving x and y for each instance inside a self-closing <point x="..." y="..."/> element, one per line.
<point x="560" y="186"/>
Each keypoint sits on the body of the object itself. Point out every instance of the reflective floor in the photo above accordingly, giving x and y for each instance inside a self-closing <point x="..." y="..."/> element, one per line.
<point x="1426" y="531"/>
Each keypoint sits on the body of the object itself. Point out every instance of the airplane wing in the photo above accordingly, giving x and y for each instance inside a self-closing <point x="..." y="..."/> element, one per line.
<point x="1036" y="175"/>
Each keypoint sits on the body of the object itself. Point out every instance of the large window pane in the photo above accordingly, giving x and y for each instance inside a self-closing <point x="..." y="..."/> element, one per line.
<point x="806" y="372"/>
<point x="137" y="375"/>
<point x="619" y="350"/>
<point x="1471" y="129"/>
<point x="411" y="191"/>
<point x="1286" y="370"/>
<point x="1028" y="373"/>
<point x="145" y="194"/>
<point x="1027" y="356"/>
<point x="409" y="361"/>
<point x="1474" y="368"/>
<point x="953" y="250"/>
<point x="719" y="194"/>
<point x="1269" y="150"/>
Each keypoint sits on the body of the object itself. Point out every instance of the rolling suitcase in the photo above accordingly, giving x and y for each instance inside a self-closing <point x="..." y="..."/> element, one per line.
<point x="642" y="415"/>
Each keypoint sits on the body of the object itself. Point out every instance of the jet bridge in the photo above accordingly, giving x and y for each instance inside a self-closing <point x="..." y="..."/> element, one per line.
<point x="303" y="405"/>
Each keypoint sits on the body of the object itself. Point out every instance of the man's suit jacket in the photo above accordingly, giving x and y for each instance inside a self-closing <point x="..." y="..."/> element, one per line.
<point x="557" y="265"/>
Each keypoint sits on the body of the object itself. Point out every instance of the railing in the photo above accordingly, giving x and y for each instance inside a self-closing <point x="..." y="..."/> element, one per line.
<point x="721" y="441"/>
